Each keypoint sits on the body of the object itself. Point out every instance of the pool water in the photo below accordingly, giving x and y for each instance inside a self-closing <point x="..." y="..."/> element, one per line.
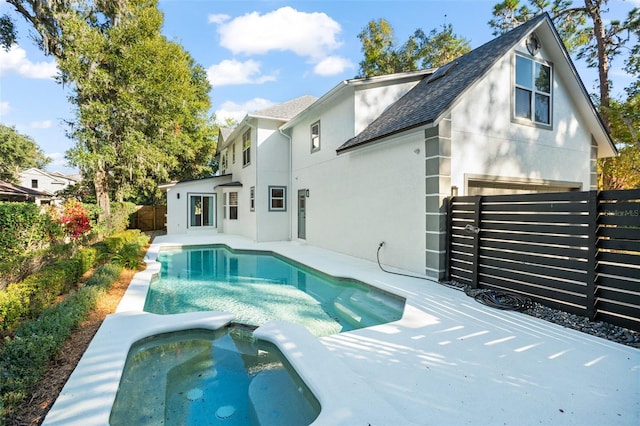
<point x="258" y="287"/>
<point x="205" y="377"/>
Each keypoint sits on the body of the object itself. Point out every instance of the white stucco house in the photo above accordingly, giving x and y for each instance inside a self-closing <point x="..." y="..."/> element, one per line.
<point x="373" y="159"/>
<point x="47" y="182"/>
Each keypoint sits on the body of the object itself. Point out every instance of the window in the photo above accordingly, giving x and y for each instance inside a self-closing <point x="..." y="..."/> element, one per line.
<point x="201" y="210"/>
<point x="315" y="136"/>
<point x="223" y="162"/>
<point x="233" y="153"/>
<point x="233" y="205"/>
<point x="252" y="198"/>
<point x="34" y="183"/>
<point x="533" y="91"/>
<point x="277" y="198"/>
<point x="246" y="148"/>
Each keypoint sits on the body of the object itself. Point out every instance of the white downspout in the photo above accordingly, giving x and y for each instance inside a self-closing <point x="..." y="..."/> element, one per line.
<point x="291" y="195"/>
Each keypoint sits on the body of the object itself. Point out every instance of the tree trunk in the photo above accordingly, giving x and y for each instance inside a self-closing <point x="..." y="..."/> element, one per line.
<point x="101" y="183"/>
<point x="594" y="11"/>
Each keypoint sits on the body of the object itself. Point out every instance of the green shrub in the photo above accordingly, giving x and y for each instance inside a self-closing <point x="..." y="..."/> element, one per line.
<point x="87" y="257"/>
<point x="129" y="256"/>
<point x="117" y="241"/>
<point x="120" y="212"/>
<point x="27" y="298"/>
<point x="104" y="275"/>
<point x="24" y="358"/>
<point x="25" y="227"/>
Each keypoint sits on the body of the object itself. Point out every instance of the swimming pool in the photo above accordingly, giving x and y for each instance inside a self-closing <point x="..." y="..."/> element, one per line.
<point x="259" y="287"/>
<point x="198" y="377"/>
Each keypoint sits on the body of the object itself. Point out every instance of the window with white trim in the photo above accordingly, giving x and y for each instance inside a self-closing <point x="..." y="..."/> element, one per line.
<point x="315" y="136"/>
<point x="252" y="198"/>
<point x="202" y="210"/>
<point x="277" y="198"/>
<point x="233" y="205"/>
<point x="533" y="98"/>
<point x="246" y="148"/>
<point x="233" y="153"/>
<point x="223" y="162"/>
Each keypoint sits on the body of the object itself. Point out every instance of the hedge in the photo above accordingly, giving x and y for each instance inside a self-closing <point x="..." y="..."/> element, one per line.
<point x="27" y="298"/>
<point x="24" y="358"/>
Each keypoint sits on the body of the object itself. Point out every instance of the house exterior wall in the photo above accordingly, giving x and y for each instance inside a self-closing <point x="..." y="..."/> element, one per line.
<point x="178" y="205"/>
<point x="273" y="166"/>
<point x="362" y="197"/>
<point x="486" y="142"/>
<point x="46" y="183"/>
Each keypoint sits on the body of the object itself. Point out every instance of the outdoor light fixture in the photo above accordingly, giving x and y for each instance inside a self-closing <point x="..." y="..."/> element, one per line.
<point x="307" y="194"/>
<point x="178" y="195"/>
<point x="533" y="44"/>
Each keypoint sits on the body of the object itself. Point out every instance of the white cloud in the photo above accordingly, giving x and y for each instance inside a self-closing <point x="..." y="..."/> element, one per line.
<point x="16" y="61"/>
<point x="46" y="124"/>
<point x="237" y="111"/>
<point x="218" y="18"/>
<point x="332" y="65"/>
<point x="4" y="108"/>
<point x="312" y="35"/>
<point x="231" y="71"/>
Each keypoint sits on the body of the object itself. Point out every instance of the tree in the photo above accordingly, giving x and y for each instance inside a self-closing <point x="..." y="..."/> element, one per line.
<point x="623" y="172"/>
<point x="140" y="100"/>
<point x="381" y="56"/>
<point x="18" y="152"/>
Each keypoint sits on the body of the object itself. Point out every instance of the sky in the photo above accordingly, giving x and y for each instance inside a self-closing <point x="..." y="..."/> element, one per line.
<point x="256" y="53"/>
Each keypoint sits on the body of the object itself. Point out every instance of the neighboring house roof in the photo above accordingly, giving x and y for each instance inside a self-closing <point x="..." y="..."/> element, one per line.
<point x="9" y="189"/>
<point x="437" y="93"/>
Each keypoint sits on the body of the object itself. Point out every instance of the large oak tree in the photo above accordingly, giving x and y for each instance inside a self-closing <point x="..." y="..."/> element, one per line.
<point x="141" y="101"/>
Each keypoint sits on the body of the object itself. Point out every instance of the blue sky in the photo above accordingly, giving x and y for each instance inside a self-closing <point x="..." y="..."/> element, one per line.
<point x="256" y="53"/>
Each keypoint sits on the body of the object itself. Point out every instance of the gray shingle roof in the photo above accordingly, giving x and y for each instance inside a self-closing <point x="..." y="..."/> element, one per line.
<point x="286" y="110"/>
<point x="432" y="96"/>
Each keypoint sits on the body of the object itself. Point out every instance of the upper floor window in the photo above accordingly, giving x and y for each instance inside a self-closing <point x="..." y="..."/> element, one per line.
<point x="223" y="162"/>
<point x="277" y="198"/>
<point x="533" y="98"/>
<point x="34" y="183"/>
<point x="246" y="148"/>
<point x="315" y="136"/>
<point x="233" y="153"/>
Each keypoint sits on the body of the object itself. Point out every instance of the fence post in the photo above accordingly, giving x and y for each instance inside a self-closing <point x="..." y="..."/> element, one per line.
<point x="476" y="242"/>
<point x="592" y="253"/>
<point x="449" y="203"/>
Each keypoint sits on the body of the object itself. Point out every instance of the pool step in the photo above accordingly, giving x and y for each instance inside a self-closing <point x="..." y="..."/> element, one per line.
<point x="275" y="400"/>
<point x="359" y="307"/>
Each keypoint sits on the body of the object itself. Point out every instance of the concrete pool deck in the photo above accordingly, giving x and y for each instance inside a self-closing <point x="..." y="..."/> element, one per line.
<point x="449" y="360"/>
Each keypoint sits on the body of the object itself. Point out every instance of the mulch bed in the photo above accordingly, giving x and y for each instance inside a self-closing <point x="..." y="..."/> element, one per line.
<point x="34" y="410"/>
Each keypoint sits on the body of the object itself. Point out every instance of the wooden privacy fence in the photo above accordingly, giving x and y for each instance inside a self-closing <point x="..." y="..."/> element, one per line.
<point x="148" y="218"/>
<point x="574" y="251"/>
